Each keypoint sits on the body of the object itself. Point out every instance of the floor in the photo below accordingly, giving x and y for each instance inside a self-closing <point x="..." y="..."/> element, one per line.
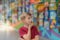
<point x="9" y="33"/>
<point x="12" y="35"/>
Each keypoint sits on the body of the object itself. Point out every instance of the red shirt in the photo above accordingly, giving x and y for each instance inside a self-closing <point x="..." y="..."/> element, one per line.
<point x="23" y="30"/>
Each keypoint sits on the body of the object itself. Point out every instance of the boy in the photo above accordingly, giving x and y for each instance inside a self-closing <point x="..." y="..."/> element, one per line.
<point x="28" y="31"/>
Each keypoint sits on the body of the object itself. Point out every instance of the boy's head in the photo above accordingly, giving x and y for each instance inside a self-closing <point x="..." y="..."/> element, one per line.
<point x="26" y="18"/>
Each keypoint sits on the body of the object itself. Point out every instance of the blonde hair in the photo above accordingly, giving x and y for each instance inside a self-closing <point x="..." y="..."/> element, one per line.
<point x="23" y="15"/>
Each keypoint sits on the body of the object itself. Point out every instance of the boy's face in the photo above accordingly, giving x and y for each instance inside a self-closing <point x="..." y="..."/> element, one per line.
<point x="28" y="20"/>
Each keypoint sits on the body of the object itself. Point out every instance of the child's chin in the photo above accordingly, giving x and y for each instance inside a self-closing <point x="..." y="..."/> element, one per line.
<point x="29" y="24"/>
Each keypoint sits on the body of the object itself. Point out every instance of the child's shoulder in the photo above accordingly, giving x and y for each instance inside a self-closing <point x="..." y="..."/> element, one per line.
<point x="22" y="28"/>
<point x="34" y="26"/>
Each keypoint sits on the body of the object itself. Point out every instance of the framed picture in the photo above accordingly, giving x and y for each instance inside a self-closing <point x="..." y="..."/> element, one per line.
<point x="52" y="14"/>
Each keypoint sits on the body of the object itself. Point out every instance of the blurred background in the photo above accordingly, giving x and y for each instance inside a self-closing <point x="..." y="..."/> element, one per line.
<point x="46" y="16"/>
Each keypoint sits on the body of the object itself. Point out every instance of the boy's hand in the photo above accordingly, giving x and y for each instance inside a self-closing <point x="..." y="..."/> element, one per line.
<point x="21" y="39"/>
<point x="30" y="25"/>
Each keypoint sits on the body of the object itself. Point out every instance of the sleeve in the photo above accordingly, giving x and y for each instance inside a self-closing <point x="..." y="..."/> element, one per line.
<point x="36" y="31"/>
<point x="22" y="32"/>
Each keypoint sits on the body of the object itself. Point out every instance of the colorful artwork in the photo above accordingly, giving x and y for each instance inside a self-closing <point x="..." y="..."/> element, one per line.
<point x="52" y="0"/>
<point x="52" y="15"/>
<point x="58" y="12"/>
<point x="41" y="22"/>
<point x="41" y="16"/>
<point x="39" y="10"/>
<point x="34" y="1"/>
<point x="52" y="6"/>
<point x="46" y="25"/>
<point x="46" y="14"/>
<point x="40" y="7"/>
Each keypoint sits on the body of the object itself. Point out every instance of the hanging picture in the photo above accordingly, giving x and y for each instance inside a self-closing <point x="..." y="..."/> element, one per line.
<point x="14" y="18"/>
<point x="46" y="24"/>
<point x="34" y="1"/>
<point x="46" y="0"/>
<point x="27" y="7"/>
<point x="19" y="12"/>
<point x="35" y="20"/>
<point x="35" y="11"/>
<point x="46" y="13"/>
<point x="52" y="0"/>
<point x="1" y="7"/>
<point x="35" y="14"/>
<point x="58" y="11"/>
<point x="52" y="14"/>
<point x="52" y="6"/>
<point x="40" y="7"/>
<point x="40" y="22"/>
<point x="19" y="4"/>
<point x="12" y="5"/>
<point x="41" y="16"/>
<point x="1" y="12"/>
